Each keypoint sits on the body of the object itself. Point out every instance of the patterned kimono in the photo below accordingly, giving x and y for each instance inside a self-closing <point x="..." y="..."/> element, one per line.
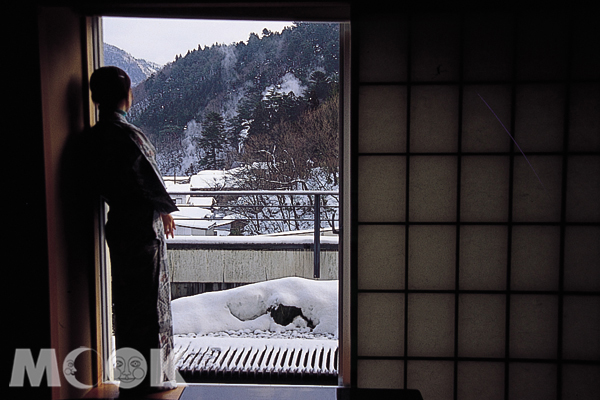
<point x="126" y="175"/>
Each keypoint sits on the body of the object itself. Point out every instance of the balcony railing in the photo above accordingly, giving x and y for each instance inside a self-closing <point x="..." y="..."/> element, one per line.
<point x="317" y="218"/>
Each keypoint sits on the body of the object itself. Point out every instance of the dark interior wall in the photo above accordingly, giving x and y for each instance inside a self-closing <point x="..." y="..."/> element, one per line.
<point x="28" y="314"/>
<point x="57" y="247"/>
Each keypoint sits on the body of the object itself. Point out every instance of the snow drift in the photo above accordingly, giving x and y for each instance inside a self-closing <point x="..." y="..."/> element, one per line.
<point x="255" y="307"/>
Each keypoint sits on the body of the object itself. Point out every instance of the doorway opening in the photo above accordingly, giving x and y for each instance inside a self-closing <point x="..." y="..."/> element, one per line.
<point x="247" y="136"/>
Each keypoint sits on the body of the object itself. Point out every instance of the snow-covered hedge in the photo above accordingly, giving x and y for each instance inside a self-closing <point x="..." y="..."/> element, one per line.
<point x="251" y="307"/>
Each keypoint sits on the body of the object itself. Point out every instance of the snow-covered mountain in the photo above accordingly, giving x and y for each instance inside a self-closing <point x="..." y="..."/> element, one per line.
<point x="137" y="69"/>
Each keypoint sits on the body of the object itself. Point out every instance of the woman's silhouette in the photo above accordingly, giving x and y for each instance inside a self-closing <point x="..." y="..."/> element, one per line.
<point x="125" y="174"/>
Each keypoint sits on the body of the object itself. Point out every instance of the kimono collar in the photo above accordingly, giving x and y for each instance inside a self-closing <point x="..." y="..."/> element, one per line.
<point x="112" y="114"/>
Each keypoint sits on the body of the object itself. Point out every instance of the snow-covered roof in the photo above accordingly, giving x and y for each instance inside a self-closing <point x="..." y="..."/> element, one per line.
<point x="191" y="212"/>
<point x="208" y="179"/>
<point x="222" y="222"/>
<point x="177" y="187"/>
<point x="195" y="223"/>
<point x="193" y="217"/>
<point x="202" y="201"/>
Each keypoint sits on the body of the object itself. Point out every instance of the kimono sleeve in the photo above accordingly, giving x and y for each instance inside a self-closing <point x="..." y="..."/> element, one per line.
<point x="151" y="186"/>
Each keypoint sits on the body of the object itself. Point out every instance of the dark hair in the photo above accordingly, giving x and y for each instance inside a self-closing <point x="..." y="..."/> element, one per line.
<point x="109" y="86"/>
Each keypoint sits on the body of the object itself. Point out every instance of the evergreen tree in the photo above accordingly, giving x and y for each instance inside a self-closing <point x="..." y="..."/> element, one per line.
<point x="275" y="108"/>
<point x="213" y="142"/>
<point x="319" y="88"/>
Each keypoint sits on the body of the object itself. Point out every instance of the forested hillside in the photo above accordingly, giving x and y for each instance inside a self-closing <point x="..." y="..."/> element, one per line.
<point x="247" y="104"/>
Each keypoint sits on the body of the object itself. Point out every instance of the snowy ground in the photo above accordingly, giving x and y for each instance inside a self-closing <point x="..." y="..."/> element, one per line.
<point x="238" y="329"/>
<point x="300" y="333"/>
<point x="251" y="311"/>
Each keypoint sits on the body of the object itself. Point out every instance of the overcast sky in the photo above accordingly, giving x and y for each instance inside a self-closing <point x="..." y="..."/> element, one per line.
<point x="160" y="40"/>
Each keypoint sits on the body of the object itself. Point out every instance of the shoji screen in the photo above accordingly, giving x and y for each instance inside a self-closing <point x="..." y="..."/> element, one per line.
<point x="477" y="267"/>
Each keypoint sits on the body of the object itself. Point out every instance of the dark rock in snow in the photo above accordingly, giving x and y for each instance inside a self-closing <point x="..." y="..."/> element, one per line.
<point x="285" y="315"/>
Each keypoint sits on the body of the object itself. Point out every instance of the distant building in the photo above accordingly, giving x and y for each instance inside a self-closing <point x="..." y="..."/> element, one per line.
<point x="196" y="215"/>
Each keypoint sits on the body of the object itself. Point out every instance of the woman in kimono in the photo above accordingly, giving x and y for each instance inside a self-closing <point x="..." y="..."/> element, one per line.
<point x="127" y="177"/>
